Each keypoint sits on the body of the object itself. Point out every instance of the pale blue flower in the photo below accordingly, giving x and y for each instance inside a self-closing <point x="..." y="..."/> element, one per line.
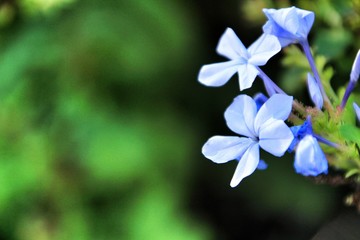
<point x="290" y="25"/>
<point x="314" y="91"/>
<point x="264" y="128"/>
<point x="310" y="160"/>
<point x="243" y="61"/>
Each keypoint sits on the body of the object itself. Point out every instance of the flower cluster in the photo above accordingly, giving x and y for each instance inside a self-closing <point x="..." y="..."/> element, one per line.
<point x="321" y="136"/>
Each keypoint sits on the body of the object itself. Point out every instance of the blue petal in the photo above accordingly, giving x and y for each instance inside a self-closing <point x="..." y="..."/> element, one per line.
<point x="290" y="25"/>
<point x="314" y="91"/>
<point x="221" y="149"/>
<point x="357" y="110"/>
<point x="263" y="49"/>
<point x="310" y="160"/>
<point x="260" y="99"/>
<point x="284" y="37"/>
<point x="300" y="132"/>
<point x="240" y="116"/>
<point x="217" y="74"/>
<point x="307" y="20"/>
<point x="296" y="139"/>
<point x="275" y="137"/>
<point x="247" y="165"/>
<point x="230" y="46"/>
<point x="355" y="70"/>
<point x="287" y="19"/>
<point x="247" y="74"/>
<point x="262" y="165"/>
<point x="278" y="107"/>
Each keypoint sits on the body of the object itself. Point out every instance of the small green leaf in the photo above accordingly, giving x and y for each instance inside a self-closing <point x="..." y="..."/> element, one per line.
<point x="351" y="172"/>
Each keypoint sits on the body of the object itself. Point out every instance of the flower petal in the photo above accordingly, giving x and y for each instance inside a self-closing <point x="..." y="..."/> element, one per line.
<point x="310" y="160"/>
<point x="247" y="74"/>
<point x="217" y="74"/>
<point x="278" y="107"/>
<point x="247" y="165"/>
<point x="314" y="91"/>
<point x="262" y="165"/>
<point x="290" y="25"/>
<point x="240" y="116"/>
<point x="275" y="137"/>
<point x="307" y="20"/>
<point x="284" y="37"/>
<point x="260" y="99"/>
<point x="230" y="46"/>
<point x="263" y="49"/>
<point x="286" y="18"/>
<point x="221" y="149"/>
<point x="357" y="110"/>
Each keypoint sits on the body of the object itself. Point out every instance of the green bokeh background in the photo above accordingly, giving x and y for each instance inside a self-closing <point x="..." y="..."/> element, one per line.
<point x="102" y="121"/>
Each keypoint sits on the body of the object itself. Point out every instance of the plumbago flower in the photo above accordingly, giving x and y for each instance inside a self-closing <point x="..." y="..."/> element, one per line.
<point x="322" y="136"/>
<point x="264" y="128"/>
<point x="290" y="25"/>
<point x="244" y="61"/>
<point x="310" y="160"/>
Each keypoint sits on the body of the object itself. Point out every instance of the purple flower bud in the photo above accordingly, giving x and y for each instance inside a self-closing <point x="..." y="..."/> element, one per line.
<point x="355" y="70"/>
<point x="314" y="91"/>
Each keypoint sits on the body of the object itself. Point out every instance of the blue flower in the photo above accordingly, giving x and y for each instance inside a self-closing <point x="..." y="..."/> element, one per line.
<point x="314" y="91"/>
<point x="243" y="61"/>
<point x="264" y="128"/>
<point x="310" y="160"/>
<point x="290" y="25"/>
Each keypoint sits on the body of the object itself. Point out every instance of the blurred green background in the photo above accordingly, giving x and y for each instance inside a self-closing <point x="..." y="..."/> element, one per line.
<point x="102" y="121"/>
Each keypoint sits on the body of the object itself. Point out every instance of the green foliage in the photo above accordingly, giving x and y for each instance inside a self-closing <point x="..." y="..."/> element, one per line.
<point x="90" y="139"/>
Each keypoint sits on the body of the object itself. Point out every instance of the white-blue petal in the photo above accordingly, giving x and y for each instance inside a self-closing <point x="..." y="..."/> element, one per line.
<point x="247" y="165"/>
<point x="290" y="25"/>
<point x="247" y="74"/>
<point x="217" y="74"/>
<point x="357" y="110"/>
<point x="310" y="160"/>
<point x="278" y="107"/>
<point x="275" y="137"/>
<point x="285" y="38"/>
<point x="288" y="19"/>
<point x="263" y="49"/>
<point x="230" y="46"/>
<point x="240" y="116"/>
<point x="221" y="149"/>
<point x="355" y="70"/>
<point x="285" y="18"/>
<point x="307" y="20"/>
<point x="314" y="91"/>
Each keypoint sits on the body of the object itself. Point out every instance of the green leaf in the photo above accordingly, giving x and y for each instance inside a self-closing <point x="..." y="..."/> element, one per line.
<point x="351" y="172"/>
<point x="350" y="133"/>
